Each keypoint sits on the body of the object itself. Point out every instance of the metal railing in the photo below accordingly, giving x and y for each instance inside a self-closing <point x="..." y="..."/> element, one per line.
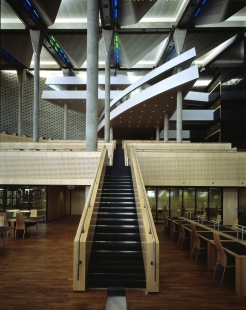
<point x="87" y="206"/>
<point x="146" y="206"/>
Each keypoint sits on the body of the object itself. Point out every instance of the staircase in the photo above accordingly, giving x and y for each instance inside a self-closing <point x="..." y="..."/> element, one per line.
<point x="116" y="258"/>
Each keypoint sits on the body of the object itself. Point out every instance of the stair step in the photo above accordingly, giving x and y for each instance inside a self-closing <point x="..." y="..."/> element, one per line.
<point x="129" y="257"/>
<point x="117" y="229"/>
<point x="103" y="282"/>
<point x="116" y="210"/>
<point x="118" y="204"/>
<point x="116" y="215"/>
<point x="121" y="263"/>
<point x="113" y="270"/>
<point x="116" y="191"/>
<point x="113" y="246"/>
<point x="116" y="237"/>
<point x="116" y="258"/>
<point x="116" y="221"/>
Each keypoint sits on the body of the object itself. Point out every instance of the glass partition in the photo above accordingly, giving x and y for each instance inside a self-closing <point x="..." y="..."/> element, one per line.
<point x="242" y="206"/>
<point x="189" y="201"/>
<point x="202" y="200"/>
<point x="23" y="198"/>
<point x="176" y="201"/>
<point x="1" y="199"/>
<point x="162" y="203"/>
<point x="215" y="202"/>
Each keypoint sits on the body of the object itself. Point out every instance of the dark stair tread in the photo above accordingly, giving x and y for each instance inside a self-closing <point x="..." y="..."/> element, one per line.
<point x="116" y="258"/>
<point x="105" y="283"/>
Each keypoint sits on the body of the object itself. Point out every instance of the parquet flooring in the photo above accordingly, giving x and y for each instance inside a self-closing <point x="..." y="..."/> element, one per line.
<point x="36" y="273"/>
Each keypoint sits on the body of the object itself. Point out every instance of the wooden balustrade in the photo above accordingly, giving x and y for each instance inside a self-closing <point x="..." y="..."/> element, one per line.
<point x="148" y="235"/>
<point x="85" y="233"/>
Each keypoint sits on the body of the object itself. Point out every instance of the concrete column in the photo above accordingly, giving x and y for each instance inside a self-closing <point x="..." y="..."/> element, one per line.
<point x="37" y="41"/>
<point x="21" y="77"/>
<point x="107" y="39"/>
<point x="179" y="117"/>
<point x="166" y="127"/>
<point x="179" y="39"/>
<point x="107" y="99"/>
<point x="179" y="113"/>
<point x="65" y="121"/>
<point x="111" y="134"/>
<point x="157" y="133"/>
<point x="92" y="75"/>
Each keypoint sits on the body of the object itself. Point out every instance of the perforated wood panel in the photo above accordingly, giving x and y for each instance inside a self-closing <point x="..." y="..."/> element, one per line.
<point x="51" y="117"/>
<point x="40" y="167"/>
<point x="193" y="169"/>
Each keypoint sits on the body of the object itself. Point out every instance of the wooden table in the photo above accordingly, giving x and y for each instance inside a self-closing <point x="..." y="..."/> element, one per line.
<point x="12" y="221"/>
<point x="238" y="250"/>
<point x="230" y="244"/>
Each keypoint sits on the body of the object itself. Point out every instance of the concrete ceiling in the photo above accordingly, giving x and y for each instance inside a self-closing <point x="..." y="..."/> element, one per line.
<point x="142" y="29"/>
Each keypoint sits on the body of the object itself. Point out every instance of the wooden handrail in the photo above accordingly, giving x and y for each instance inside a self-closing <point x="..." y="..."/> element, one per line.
<point x="151" y="228"/>
<point x="93" y="189"/>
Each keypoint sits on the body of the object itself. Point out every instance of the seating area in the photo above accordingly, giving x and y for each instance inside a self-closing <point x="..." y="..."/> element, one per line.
<point x="183" y="284"/>
<point x="18" y="221"/>
<point x="222" y="245"/>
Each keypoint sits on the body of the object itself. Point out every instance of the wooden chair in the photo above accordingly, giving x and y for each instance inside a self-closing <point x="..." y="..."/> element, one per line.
<point x="5" y="221"/>
<point x="34" y="213"/>
<point x="202" y="217"/>
<point x="235" y="222"/>
<point x="181" y="233"/>
<point x="196" y="242"/>
<point x="173" y="230"/>
<point x="1" y="225"/>
<point x="166" y="226"/>
<point x="20" y="224"/>
<point x="1" y="221"/>
<point x="222" y="258"/>
<point x="216" y="221"/>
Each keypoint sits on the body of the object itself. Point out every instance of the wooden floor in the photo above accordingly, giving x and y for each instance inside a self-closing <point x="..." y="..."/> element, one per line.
<point x="36" y="273"/>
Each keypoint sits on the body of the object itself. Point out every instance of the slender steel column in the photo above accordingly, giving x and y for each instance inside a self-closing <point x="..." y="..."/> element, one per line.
<point x="107" y="40"/>
<point x="65" y="121"/>
<point x="37" y="41"/>
<point x="111" y="133"/>
<point x="179" y="117"/>
<point x="21" y="77"/>
<point x="36" y="97"/>
<point x="92" y="75"/>
<point x="107" y="99"/>
<point x="179" y="113"/>
<point x="166" y="127"/>
<point x="20" y="121"/>
<point x="157" y="133"/>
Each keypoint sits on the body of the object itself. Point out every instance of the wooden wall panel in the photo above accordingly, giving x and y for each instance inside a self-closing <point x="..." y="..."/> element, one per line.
<point x="56" y="202"/>
<point x="193" y="169"/>
<point x="77" y="201"/>
<point x="47" y="167"/>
